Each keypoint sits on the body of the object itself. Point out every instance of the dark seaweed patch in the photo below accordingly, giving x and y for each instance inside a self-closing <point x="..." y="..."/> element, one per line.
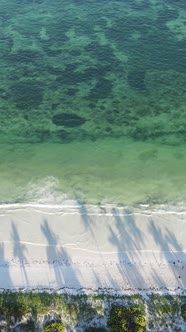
<point x="75" y="52"/>
<point x="159" y="51"/>
<point x="101" y="53"/>
<point x="102" y="89"/>
<point x="57" y="30"/>
<point x="71" y="67"/>
<point x="25" y="56"/>
<point x="121" y="30"/>
<point x="70" y="77"/>
<point x="23" y="2"/>
<point x="136" y="79"/>
<point x="165" y="15"/>
<point x="71" y="92"/>
<point x="27" y="94"/>
<point x="50" y="52"/>
<point x="64" y="136"/>
<point x="68" y="120"/>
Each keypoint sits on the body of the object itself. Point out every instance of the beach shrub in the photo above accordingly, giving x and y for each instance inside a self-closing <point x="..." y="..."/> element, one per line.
<point x="165" y="305"/>
<point x="54" y="327"/>
<point x="126" y="319"/>
<point x="39" y="303"/>
<point x="18" y="304"/>
<point x="95" y="329"/>
<point x="13" y="304"/>
<point x="29" y="326"/>
<point x="183" y="310"/>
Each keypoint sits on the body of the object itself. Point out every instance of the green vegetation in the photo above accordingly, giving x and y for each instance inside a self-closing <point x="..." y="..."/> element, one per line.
<point x="183" y="311"/>
<point x="57" y="313"/>
<point x="127" y="319"/>
<point x="18" y="304"/>
<point x="13" y="304"/>
<point x="54" y="327"/>
<point x="96" y="329"/>
<point x="168" y="305"/>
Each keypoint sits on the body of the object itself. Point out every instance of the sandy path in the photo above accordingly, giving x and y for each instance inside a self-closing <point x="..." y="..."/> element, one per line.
<point x="91" y="248"/>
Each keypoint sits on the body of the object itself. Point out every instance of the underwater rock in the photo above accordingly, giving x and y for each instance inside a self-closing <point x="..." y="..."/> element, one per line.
<point x="68" y="120"/>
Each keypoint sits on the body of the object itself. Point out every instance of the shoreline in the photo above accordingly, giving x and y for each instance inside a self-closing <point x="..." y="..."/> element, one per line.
<point x="168" y="208"/>
<point x="92" y="248"/>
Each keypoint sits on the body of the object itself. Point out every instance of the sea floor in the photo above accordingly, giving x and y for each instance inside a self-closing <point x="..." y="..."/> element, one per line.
<point x="108" y="170"/>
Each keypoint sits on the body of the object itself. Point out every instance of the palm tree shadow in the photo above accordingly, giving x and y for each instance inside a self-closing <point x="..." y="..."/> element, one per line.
<point x="5" y="279"/>
<point x="127" y="238"/>
<point x="59" y="259"/>
<point x="89" y="223"/>
<point x="173" y="255"/>
<point x="19" y="251"/>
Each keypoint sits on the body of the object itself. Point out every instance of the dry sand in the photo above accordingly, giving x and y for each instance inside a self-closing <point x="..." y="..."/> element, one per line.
<point x="89" y="248"/>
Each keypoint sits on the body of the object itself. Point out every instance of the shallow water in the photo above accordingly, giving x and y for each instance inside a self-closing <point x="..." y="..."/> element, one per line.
<point x="92" y="101"/>
<point x="108" y="170"/>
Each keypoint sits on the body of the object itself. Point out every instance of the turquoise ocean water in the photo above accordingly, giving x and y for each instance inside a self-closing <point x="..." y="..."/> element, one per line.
<point x="93" y="101"/>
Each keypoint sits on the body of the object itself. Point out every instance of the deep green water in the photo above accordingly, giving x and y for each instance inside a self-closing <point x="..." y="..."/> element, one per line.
<point x="93" y="100"/>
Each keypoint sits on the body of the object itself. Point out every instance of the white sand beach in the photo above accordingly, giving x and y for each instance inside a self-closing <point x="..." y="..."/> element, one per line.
<point x="88" y="248"/>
